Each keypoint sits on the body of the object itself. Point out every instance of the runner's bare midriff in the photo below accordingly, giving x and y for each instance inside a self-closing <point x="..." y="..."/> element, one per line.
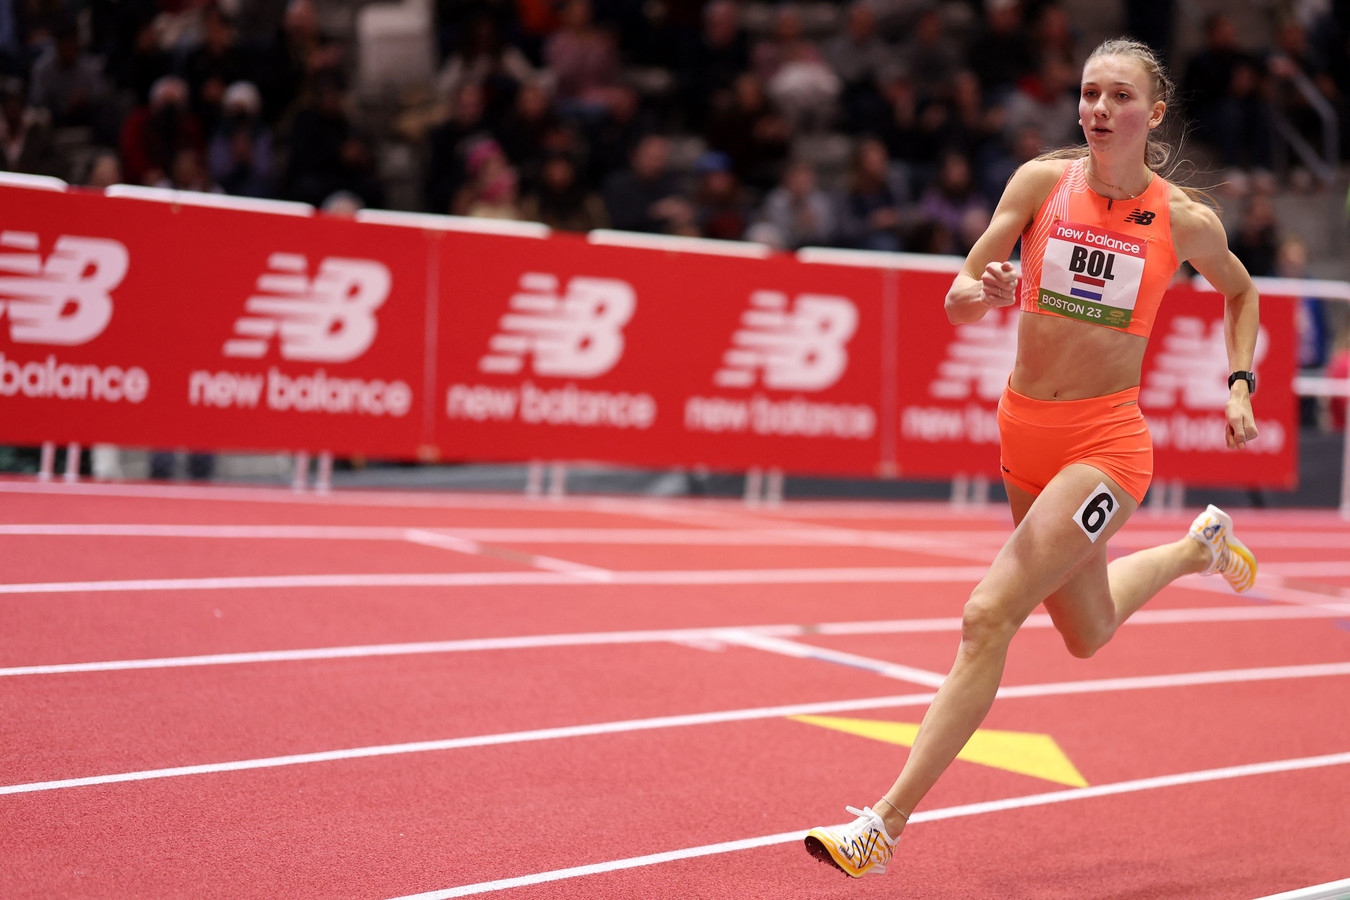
<point x="1064" y="359"/>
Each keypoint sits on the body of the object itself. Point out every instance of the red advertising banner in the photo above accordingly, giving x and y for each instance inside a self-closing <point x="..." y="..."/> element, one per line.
<point x="151" y="324"/>
<point x="566" y="350"/>
<point x="155" y="324"/>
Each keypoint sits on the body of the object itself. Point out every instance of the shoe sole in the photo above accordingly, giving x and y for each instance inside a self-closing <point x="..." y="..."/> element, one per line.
<point x="1235" y="546"/>
<point x="816" y="847"/>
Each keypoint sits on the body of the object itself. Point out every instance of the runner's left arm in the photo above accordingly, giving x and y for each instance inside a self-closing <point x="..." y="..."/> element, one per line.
<point x="1203" y="239"/>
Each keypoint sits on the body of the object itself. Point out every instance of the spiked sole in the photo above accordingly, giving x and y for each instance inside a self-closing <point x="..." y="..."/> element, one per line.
<point x="817" y="848"/>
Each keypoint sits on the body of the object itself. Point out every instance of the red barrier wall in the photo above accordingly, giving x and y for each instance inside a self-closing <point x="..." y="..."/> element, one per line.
<point x="156" y="324"/>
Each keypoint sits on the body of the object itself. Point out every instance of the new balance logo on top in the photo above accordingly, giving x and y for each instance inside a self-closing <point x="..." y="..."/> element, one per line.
<point x="797" y="348"/>
<point x="577" y="333"/>
<point x="1141" y="216"/>
<point x="330" y="318"/>
<point x="64" y="300"/>
<point x="1191" y="367"/>
<point x="979" y="359"/>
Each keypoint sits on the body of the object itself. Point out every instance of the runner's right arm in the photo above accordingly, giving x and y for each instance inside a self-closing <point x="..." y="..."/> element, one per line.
<point x="987" y="279"/>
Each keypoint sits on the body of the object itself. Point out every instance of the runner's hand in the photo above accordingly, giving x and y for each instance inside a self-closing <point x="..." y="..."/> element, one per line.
<point x="1241" y="422"/>
<point x="998" y="284"/>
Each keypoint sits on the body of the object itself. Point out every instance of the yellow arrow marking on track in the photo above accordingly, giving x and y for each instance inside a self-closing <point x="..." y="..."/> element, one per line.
<point x="1036" y="755"/>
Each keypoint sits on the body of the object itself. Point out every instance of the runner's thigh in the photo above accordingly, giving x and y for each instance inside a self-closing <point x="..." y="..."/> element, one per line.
<point x="1052" y="549"/>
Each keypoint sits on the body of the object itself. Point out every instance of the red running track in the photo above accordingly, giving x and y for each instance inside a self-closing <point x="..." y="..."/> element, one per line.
<point x="247" y="693"/>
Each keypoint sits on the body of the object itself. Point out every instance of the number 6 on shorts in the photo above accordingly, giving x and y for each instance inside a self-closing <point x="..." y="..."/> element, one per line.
<point x="1096" y="511"/>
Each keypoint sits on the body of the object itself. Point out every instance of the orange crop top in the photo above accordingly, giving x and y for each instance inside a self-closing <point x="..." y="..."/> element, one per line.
<point x="1102" y="261"/>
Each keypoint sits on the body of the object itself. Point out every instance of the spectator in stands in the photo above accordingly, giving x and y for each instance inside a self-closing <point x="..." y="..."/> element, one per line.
<point x="1339" y="367"/>
<point x="1003" y="52"/>
<point x="287" y="63"/>
<point x="491" y="190"/>
<point x="861" y="59"/>
<point x="1022" y="146"/>
<point x="1310" y="318"/>
<point x="955" y="210"/>
<point x="1255" y="242"/>
<point x="188" y="173"/>
<point x="240" y="156"/>
<point x="1047" y="102"/>
<point x="646" y="196"/>
<point x="25" y="134"/>
<point x="449" y="143"/>
<point x="750" y="129"/>
<point x="584" y="58"/>
<point x="721" y="210"/>
<point x="929" y="59"/>
<point x="1055" y="34"/>
<point x="135" y="67"/>
<point x="919" y="130"/>
<point x="1295" y="56"/>
<point x="483" y="57"/>
<point x="798" y="211"/>
<point x="561" y="201"/>
<point x="212" y="66"/>
<point x="154" y="133"/>
<point x="105" y="170"/>
<point x="327" y="153"/>
<point x="1227" y="98"/>
<point x="342" y="205"/>
<point x="68" y="82"/>
<point x="14" y="53"/>
<point x="873" y="204"/>
<point x="795" y="74"/>
<point x="613" y="136"/>
<point x="710" y="64"/>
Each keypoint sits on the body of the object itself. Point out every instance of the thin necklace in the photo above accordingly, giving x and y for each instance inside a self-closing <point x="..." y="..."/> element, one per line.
<point x="1087" y="166"/>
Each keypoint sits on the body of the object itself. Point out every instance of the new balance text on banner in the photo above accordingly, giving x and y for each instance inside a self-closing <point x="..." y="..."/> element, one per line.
<point x="566" y="350"/>
<point x="147" y="324"/>
<point x="150" y="324"/>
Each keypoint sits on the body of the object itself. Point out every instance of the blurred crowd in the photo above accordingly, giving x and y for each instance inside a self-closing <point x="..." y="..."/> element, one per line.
<point x="887" y="125"/>
<point x="873" y="124"/>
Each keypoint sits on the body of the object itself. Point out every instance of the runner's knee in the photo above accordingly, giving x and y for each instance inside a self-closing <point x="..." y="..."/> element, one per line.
<point x="986" y="622"/>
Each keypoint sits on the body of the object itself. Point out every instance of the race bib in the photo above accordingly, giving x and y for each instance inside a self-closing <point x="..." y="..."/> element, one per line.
<point x="1091" y="274"/>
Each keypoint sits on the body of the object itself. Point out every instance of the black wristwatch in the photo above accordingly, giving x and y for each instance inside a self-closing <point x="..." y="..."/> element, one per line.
<point x="1249" y="377"/>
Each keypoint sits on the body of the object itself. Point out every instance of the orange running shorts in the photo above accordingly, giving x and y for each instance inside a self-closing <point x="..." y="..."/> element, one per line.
<point x="1038" y="438"/>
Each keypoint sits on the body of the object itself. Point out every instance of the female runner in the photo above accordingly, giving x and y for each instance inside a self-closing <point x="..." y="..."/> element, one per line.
<point x="1102" y="234"/>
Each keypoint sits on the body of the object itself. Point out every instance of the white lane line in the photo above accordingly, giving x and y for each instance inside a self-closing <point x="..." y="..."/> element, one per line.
<point x="477" y="548"/>
<point x="1068" y="688"/>
<point x="784" y="647"/>
<point x="1332" y="890"/>
<point x="883" y="575"/>
<point x="951" y="812"/>
<point x="861" y="575"/>
<point x="257" y="582"/>
<point x="258" y="532"/>
<point x="677" y="636"/>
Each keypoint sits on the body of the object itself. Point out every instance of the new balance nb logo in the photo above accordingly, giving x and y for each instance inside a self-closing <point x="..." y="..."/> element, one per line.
<point x="577" y="333"/>
<point x="330" y="318"/>
<point x="1141" y="217"/>
<point x="797" y="347"/>
<point x="65" y="299"/>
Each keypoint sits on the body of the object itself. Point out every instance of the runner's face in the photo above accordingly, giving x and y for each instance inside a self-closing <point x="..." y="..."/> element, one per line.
<point x="1116" y="104"/>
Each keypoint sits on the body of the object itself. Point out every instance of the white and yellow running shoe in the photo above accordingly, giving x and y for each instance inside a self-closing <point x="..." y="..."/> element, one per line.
<point x="1227" y="555"/>
<point x="855" y="849"/>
